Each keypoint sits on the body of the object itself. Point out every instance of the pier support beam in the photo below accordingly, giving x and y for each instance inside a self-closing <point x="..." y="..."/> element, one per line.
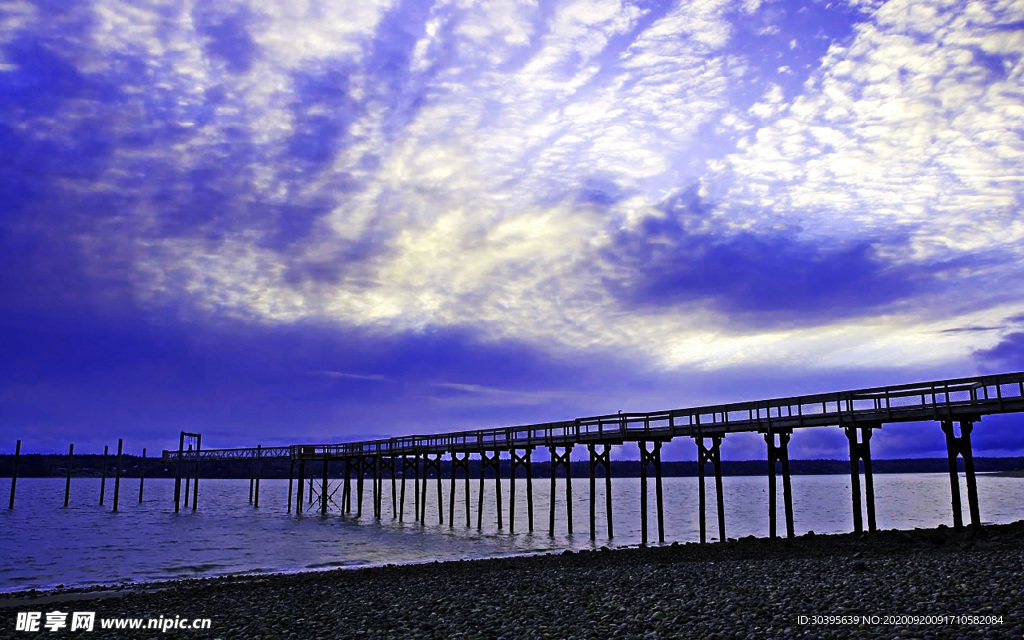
<point x="177" y="472"/>
<point x="14" y="474"/>
<point x="492" y="461"/>
<point x="410" y="463"/>
<point x="360" y="472"/>
<point x="346" y="487"/>
<point x="142" y="473"/>
<point x="961" y="446"/>
<point x="557" y="460"/>
<point x="103" y="476"/>
<point x="259" y="455"/>
<point x="301" y="483"/>
<point x="602" y="459"/>
<point x="458" y="463"/>
<point x="390" y="466"/>
<point x="651" y="456"/>
<point x="195" y="478"/>
<point x="324" y="486"/>
<point x="779" y="453"/>
<point x="861" y="451"/>
<point x="429" y="464"/>
<point x="712" y="454"/>
<point x="516" y="462"/>
<point x="378" y="486"/>
<point x="117" y="473"/>
<point x="291" y="477"/>
<point x="67" y="483"/>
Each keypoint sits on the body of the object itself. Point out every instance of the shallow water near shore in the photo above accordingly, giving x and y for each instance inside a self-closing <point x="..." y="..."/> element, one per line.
<point x="42" y="544"/>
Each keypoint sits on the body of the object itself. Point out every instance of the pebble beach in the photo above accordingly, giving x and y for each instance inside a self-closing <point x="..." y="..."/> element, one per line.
<point x="936" y="583"/>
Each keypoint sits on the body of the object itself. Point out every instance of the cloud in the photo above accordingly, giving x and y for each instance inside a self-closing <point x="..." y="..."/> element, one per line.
<point x="600" y="178"/>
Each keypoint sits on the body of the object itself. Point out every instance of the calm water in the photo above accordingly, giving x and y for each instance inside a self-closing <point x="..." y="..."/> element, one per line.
<point x="43" y="545"/>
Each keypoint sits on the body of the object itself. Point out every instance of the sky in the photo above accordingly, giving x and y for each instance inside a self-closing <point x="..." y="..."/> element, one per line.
<point x="281" y="222"/>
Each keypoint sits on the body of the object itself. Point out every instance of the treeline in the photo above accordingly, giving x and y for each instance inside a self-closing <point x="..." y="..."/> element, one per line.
<point x="92" y="465"/>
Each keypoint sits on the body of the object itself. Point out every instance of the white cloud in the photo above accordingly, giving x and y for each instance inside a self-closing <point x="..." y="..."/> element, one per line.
<point x="475" y="194"/>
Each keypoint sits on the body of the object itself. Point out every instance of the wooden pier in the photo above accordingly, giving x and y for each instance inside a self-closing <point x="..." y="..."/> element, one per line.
<point x="955" y="404"/>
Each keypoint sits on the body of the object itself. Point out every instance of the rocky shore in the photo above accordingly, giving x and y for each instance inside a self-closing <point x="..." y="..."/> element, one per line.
<point x="937" y="583"/>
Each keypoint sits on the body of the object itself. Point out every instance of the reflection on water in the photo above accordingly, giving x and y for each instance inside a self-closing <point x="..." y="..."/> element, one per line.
<point x="42" y="544"/>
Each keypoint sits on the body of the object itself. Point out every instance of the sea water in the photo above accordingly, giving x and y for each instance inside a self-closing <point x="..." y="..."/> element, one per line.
<point x="43" y="544"/>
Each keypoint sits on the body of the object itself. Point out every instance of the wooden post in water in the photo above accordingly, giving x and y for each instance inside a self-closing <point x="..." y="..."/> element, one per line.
<point x="394" y="488"/>
<point x="188" y="477"/>
<point x="117" y="473"/>
<point x="440" y="507"/>
<point x="779" y="453"/>
<point x="491" y="461"/>
<point x="519" y="461"/>
<point x="972" y="483"/>
<point x="716" y="461"/>
<point x="67" y="483"/>
<point x="177" y="472"/>
<point x="652" y="457"/>
<point x="962" y="446"/>
<point x="252" y="478"/>
<point x="593" y="493"/>
<point x="301" y="483"/>
<point x="769" y="439"/>
<point x="643" y="494"/>
<point x="323" y="487"/>
<point x="861" y="451"/>
<point x="359" y="485"/>
<point x="416" y="485"/>
<point x="556" y="460"/>
<point x="869" y="484"/>
<point x="142" y="474"/>
<point x="103" y="475"/>
<point x="401" y="500"/>
<point x="787" y="487"/>
<point x="658" y="491"/>
<point x="529" y="487"/>
<point x="346" y="488"/>
<point x="480" y="495"/>
<point x="712" y="454"/>
<point x="195" y="479"/>
<point x="291" y="476"/>
<point x="259" y="456"/>
<point x="603" y="459"/>
<point x="14" y="473"/>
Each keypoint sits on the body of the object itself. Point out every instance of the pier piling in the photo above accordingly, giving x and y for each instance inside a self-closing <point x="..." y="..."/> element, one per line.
<point x="563" y="460"/>
<point x="861" y="452"/>
<point x="256" y="496"/>
<point x="779" y="453"/>
<point x="103" y="474"/>
<point x="961" y="446"/>
<point x="713" y="455"/>
<point x="195" y="478"/>
<point x="14" y="474"/>
<point x="651" y="457"/>
<point x="67" y="482"/>
<point x="142" y="474"/>
<point x="323" y="489"/>
<point x="177" y="473"/>
<point x="117" y="473"/>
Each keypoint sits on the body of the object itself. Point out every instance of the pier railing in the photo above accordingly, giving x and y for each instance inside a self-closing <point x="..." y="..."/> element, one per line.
<point x="935" y="400"/>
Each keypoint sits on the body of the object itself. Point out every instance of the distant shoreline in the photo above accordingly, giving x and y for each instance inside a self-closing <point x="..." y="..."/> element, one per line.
<point x="91" y="465"/>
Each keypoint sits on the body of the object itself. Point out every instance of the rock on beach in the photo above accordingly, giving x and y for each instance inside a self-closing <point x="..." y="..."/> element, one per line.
<point x="820" y="586"/>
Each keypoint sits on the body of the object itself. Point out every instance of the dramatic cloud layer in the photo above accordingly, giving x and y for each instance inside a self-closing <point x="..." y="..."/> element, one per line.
<point x="370" y="218"/>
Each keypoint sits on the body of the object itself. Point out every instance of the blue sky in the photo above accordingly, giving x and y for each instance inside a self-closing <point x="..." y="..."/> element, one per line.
<point x="279" y="222"/>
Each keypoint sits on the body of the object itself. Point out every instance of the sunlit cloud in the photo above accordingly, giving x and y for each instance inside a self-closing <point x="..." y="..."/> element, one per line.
<point x="685" y="188"/>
